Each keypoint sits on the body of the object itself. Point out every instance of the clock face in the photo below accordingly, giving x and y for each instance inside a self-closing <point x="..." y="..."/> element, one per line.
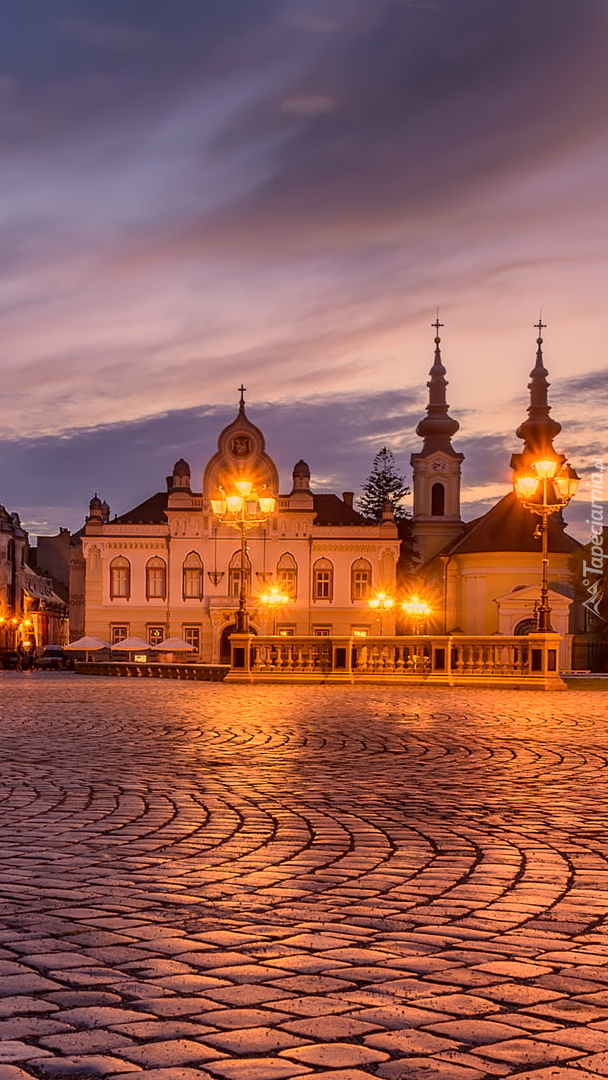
<point x="438" y="465"/>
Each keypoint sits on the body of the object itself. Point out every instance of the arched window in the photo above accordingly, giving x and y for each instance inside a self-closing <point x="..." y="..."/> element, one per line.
<point x="437" y="500"/>
<point x="287" y="575"/>
<point x="120" y="578"/>
<point x="156" y="578"/>
<point x="234" y="575"/>
<point x="323" y="580"/>
<point x="525" y="626"/>
<point x="360" y="580"/>
<point x="192" y="577"/>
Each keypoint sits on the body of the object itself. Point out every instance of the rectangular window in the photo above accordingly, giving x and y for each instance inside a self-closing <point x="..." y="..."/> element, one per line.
<point x="118" y="633"/>
<point x="193" y="583"/>
<point x="322" y="584"/>
<point x="287" y="581"/>
<point x="234" y="582"/>
<point x="359" y="631"/>
<point x="156" y="634"/>
<point x="120" y="582"/>
<point x="286" y="630"/>
<point x="321" y="631"/>
<point x="192" y="634"/>
<point x="361" y="584"/>
<point x="156" y="584"/>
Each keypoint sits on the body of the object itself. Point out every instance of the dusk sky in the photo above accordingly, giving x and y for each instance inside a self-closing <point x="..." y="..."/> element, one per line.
<point x="199" y="193"/>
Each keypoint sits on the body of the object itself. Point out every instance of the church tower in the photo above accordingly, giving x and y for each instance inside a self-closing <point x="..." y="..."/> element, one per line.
<point x="436" y="468"/>
<point x="539" y="430"/>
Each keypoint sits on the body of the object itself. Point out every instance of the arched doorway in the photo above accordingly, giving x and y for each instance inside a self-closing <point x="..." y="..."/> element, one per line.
<point x="227" y="633"/>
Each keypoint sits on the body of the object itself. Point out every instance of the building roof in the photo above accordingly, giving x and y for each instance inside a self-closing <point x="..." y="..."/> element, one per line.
<point x="331" y="510"/>
<point x="150" y="512"/>
<point x="508" y="526"/>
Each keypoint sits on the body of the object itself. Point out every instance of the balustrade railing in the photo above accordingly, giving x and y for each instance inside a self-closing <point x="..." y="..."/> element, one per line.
<point x="458" y="658"/>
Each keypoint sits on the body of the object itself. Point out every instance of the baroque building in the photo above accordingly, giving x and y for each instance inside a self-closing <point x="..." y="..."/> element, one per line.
<point x="169" y="568"/>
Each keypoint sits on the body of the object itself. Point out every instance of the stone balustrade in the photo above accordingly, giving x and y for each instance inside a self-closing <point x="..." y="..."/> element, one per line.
<point x="451" y="660"/>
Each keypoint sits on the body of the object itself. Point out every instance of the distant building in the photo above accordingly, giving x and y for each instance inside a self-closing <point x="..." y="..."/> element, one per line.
<point x="31" y="612"/>
<point x="168" y="568"/>
<point x="13" y="552"/>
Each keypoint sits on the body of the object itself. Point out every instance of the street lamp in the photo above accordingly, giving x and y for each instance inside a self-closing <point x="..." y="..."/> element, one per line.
<point x="417" y="610"/>
<point x="544" y="489"/>
<point x="381" y="602"/>
<point x="243" y="509"/>
<point x="274" y="599"/>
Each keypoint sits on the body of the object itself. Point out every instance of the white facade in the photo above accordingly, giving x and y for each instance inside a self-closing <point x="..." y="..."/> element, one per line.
<point x="168" y="568"/>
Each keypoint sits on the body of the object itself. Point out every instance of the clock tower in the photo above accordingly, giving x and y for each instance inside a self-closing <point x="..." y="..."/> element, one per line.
<point x="436" y="468"/>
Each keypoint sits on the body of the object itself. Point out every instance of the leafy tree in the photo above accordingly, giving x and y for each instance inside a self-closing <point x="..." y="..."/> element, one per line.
<point x="384" y="484"/>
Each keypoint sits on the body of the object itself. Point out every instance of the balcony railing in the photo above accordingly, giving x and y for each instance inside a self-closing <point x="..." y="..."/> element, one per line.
<point x="458" y="659"/>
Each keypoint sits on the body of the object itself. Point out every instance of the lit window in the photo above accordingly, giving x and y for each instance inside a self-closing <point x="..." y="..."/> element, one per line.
<point x="155" y="634"/>
<point x="192" y="635"/>
<point x="120" y="578"/>
<point x="156" y="579"/>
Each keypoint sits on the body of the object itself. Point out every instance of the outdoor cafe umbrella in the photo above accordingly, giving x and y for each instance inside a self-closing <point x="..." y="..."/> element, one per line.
<point x="130" y="644"/>
<point x="173" y="644"/>
<point x="87" y="645"/>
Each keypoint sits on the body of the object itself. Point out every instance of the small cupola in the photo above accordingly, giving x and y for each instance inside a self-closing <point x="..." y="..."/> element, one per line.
<point x="301" y="476"/>
<point x="180" y="479"/>
<point x="95" y="509"/>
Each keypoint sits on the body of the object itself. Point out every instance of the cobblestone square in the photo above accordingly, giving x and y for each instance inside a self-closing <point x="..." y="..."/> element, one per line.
<point x="211" y="881"/>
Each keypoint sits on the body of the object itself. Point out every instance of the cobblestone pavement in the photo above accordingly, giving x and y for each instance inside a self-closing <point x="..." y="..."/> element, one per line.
<point x="207" y="882"/>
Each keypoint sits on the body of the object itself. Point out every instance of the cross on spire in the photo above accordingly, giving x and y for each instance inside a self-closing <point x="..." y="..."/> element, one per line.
<point x="540" y="325"/>
<point x="242" y="393"/>
<point x="438" y="325"/>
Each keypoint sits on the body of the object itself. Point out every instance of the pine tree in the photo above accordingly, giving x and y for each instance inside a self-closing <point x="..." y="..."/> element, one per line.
<point x="384" y="484"/>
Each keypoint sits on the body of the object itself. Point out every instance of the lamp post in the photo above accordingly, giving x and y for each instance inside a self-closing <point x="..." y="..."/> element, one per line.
<point x="417" y="610"/>
<point x="381" y="602"/>
<point x="274" y="599"/>
<point x="544" y="489"/>
<point x="243" y="509"/>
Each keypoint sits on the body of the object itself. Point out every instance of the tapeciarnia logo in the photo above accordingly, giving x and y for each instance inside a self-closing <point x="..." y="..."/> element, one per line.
<point x="594" y="569"/>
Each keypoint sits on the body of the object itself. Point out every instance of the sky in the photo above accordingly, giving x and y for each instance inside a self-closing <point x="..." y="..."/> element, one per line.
<point x="196" y="194"/>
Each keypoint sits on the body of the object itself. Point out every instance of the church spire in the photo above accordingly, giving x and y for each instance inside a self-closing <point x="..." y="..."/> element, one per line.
<point x="539" y="430"/>
<point x="437" y="427"/>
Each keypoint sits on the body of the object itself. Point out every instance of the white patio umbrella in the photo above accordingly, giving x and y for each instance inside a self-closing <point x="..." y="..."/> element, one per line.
<point x="130" y="644"/>
<point x="173" y="644"/>
<point x="87" y="645"/>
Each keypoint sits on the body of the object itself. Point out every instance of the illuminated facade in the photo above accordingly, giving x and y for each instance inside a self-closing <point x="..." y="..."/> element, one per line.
<point x="13" y="551"/>
<point x="169" y="568"/>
